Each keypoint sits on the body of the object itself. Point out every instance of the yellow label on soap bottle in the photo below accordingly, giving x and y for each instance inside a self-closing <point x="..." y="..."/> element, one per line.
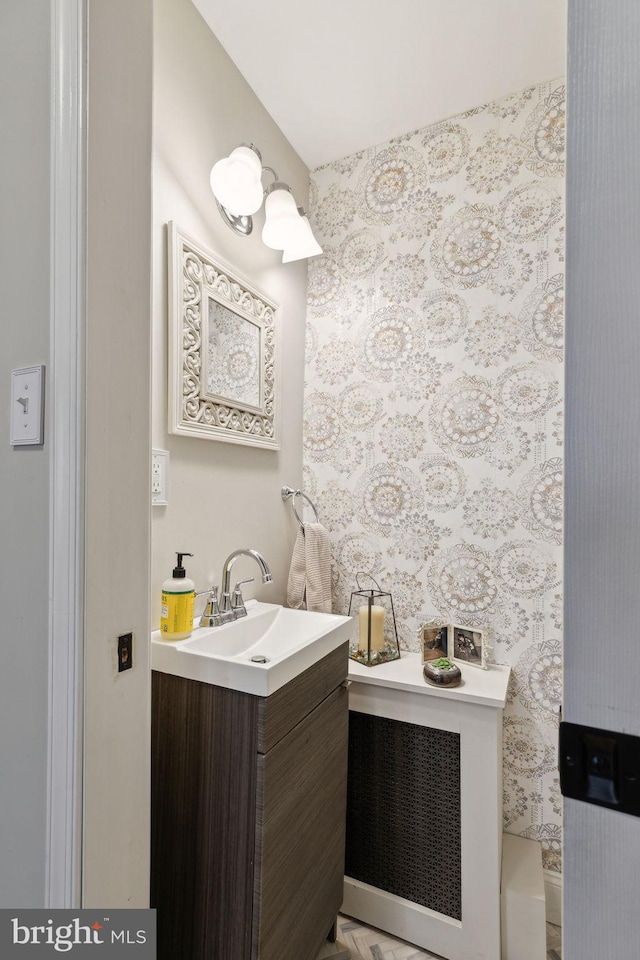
<point x="177" y="613"/>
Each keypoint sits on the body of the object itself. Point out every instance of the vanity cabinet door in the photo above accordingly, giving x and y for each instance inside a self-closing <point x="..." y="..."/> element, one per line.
<point x="300" y="833"/>
<point x="284" y="709"/>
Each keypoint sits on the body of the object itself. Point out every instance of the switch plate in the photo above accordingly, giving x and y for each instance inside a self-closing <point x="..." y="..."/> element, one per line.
<point x="27" y="405"/>
<point x="125" y="652"/>
<point x="159" y="478"/>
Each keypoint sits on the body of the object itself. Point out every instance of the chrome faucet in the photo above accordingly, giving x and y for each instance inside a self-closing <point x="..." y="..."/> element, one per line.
<point x="232" y="608"/>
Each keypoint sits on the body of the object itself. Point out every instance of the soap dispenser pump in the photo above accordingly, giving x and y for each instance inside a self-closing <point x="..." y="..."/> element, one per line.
<point x="178" y="599"/>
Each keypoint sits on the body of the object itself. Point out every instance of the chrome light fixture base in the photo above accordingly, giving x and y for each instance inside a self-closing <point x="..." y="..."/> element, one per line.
<point x="241" y="225"/>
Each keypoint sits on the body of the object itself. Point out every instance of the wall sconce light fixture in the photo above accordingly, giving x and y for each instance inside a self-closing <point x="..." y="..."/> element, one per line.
<point x="236" y="182"/>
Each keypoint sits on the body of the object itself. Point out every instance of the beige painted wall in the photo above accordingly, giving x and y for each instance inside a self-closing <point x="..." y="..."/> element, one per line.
<point x="117" y="717"/>
<point x="25" y="92"/>
<point x="223" y="496"/>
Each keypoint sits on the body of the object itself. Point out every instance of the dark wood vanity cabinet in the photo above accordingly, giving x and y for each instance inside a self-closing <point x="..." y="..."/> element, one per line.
<point x="248" y="815"/>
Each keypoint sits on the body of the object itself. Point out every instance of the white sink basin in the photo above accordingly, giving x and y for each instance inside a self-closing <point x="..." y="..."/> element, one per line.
<point x="289" y="640"/>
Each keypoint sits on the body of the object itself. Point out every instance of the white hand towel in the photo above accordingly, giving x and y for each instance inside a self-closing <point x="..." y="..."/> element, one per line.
<point x="297" y="576"/>
<point x="309" y="585"/>
<point x="318" y="567"/>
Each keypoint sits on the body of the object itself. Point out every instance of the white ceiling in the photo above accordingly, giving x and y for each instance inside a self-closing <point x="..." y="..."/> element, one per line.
<point x="338" y="76"/>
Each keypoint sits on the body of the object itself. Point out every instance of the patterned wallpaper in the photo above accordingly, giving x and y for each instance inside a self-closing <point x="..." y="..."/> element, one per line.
<point x="433" y="399"/>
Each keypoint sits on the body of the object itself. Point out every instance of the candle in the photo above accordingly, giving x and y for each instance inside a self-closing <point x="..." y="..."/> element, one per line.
<point x="377" y="627"/>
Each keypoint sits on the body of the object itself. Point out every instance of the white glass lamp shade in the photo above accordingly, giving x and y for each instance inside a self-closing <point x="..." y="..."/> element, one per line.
<point x="302" y="243"/>
<point x="281" y="217"/>
<point x="236" y="182"/>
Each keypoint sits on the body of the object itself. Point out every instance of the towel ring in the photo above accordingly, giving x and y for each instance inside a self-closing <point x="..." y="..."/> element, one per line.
<point x="288" y="493"/>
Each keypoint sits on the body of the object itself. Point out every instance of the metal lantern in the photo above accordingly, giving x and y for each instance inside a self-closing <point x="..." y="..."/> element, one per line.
<point x="375" y="637"/>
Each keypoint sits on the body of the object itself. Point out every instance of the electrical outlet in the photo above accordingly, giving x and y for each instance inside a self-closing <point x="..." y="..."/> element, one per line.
<point x="159" y="478"/>
<point x="125" y="652"/>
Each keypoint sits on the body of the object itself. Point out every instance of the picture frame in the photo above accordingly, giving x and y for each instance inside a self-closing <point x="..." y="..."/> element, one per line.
<point x="466" y="645"/>
<point x="223" y="349"/>
<point x="433" y="640"/>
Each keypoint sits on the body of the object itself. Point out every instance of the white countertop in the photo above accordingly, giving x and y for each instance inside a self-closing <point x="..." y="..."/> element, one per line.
<point x="287" y="641"/>
<point x="487" y="687"/>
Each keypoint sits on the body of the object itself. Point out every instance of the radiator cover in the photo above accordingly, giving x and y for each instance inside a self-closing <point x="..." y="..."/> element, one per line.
<point x="403" y="811"/>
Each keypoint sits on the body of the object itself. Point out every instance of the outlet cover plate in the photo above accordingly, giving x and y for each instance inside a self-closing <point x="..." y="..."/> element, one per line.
<point x="160" y="478"/>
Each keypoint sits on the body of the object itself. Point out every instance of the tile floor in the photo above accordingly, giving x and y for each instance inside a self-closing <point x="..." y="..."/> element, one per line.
<point x="357" y="942"/>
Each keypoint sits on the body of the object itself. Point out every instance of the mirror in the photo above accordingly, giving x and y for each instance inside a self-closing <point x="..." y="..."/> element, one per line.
<point x="222" y="350"/>
<point x="234" y="351"/>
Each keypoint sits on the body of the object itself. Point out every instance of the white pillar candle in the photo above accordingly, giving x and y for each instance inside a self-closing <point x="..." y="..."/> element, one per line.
<point x="377" y="627"/>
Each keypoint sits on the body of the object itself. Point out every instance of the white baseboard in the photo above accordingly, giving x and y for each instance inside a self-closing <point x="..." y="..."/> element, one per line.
<point x="553" y="896"/>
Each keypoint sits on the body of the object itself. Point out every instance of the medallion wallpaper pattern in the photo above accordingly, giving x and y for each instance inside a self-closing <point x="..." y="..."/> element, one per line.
<point x="433" y="400"/>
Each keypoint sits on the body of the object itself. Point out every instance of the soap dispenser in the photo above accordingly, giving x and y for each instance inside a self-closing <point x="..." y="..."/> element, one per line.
<point x="178" y="599"/>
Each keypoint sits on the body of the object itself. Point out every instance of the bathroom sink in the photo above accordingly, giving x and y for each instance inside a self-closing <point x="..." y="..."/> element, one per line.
<point x="257" y="654"/>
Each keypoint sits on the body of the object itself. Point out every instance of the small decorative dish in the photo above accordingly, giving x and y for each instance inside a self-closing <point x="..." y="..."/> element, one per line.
<point x="442" y="673"/>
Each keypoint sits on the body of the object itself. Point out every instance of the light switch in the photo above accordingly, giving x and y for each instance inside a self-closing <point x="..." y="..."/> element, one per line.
<point x="27" y="405"/>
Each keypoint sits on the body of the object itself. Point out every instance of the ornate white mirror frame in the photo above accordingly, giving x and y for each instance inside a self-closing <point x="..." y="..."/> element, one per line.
<point x="222" y="350"/>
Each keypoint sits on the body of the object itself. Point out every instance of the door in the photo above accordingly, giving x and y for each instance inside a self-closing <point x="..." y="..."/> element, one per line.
<point x="300" y="826"/>
<point x="602" y="581"/>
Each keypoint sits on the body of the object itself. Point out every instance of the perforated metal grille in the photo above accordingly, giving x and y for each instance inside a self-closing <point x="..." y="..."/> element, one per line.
<point x="403" y="811"/>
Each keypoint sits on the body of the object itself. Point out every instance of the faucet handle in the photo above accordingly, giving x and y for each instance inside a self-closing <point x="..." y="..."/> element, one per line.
<point x="211" y="615"/>
<point x="237" y="603"/>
